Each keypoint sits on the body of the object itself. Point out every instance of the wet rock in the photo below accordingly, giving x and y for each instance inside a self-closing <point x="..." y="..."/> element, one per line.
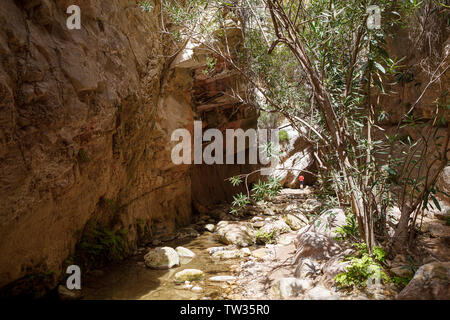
<point x="210" y="227"/>
<point x="66" y="294"/>
<point x="431" y="282"/>
<point x="321" y="293"/>
<point x="316" y="246"/>
<point x="187" y="233"/>
<point x="294" y="222"/>
<point x="162" y="258"/>
<point x="216" y="249"/>
<point x="189" y="275"/>
<point x="291" y="287"/>
<point x="327" y="223"/>
<point x="184" y="252"/>
<point x="238" y="233"/>
<point x="222" y="279"/>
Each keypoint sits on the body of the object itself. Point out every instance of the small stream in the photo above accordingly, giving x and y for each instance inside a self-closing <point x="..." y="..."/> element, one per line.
<point x="131" y="279"/>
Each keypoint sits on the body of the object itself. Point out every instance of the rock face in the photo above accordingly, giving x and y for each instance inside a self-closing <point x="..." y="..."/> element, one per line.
<point x="162" y="258"/>
<point x="431" y="281"/>
<point x="86" y="118"/>
<point x="85" y="123"/>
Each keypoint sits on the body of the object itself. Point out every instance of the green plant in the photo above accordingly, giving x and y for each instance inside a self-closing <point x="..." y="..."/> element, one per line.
<point x="401" y="282"/>
<point x="350" y="229"/>
<point x="362" y="268"/>
<point x="239" y="202"/>
<point x="210" y="65"/>
<point x="265" y="237"/>
<point x="283" y="136"/>
<point x="447" y="221"/>
<point x="99" y="245"/>
<point x="259" y="191"/>
<point x="145" y="6"/>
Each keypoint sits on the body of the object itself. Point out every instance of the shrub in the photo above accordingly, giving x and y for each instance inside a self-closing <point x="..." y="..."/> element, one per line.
<point x="283" y="136"/>
<point x="363" y="267"/>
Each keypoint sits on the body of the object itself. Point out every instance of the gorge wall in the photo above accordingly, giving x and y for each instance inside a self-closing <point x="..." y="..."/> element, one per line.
<point x="86" y="118"/>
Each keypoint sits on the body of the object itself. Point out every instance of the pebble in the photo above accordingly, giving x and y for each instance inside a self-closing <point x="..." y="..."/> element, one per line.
<point x="197" y="289"/>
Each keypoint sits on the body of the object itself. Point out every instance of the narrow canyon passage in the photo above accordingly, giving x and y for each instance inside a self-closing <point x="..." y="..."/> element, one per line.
<point x="209" y="149"/>
<point x="226" y="276"/>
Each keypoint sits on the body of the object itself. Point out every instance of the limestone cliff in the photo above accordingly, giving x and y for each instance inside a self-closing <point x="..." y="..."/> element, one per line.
<point x="85" y="128"/>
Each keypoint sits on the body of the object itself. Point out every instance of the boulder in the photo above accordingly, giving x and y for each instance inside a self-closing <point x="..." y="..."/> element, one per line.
<point x="184" y="252"/>
<point x="316" y="246"/>
<point x="431" y="282"/>
<point x="294" y="221"/>
<point x="187" y="233"/>
<point x="237" y="233"/>
<point x="210" y="227"/>
<point x="291" y="287"/>
<point x="162" y="258"/>
<point x="188" y="275"/>
<point x="274" y="229"/>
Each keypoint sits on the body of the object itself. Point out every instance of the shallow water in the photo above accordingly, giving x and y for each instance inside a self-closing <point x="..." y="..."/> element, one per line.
<point x="130" y="279"/>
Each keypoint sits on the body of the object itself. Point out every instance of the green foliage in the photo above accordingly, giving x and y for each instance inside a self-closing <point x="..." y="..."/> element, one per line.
<point x="363" y="267"/>
<point x="239" y="202"/>
<point x="145" y="6"/>
<point x="261" y="190"/>
<point x="447" y="221"/>
<point x="350" y="229"/>
<point x="210" y="65"/>
<point x="235" y="181"/>
<point x="265" y="237"/>
<point x="100" y="245"/>
<point x="283" y="136"/>
<point x="401" y="282"/>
